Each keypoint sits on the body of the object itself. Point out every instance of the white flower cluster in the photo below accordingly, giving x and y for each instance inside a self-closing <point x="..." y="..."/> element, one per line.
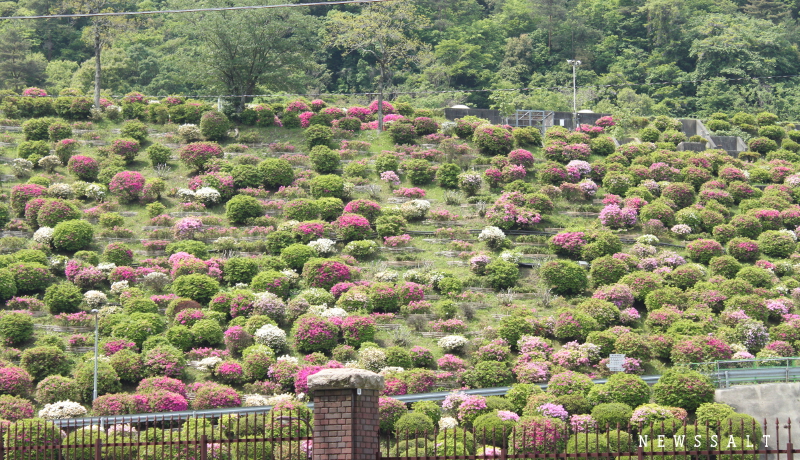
<point x="491" y="234"/>
<point x="288" y="225"/>
<point x="323" y="246"/>
<point x="60" y="190"/>
<point x="108" y="311"/>
<point x="44" y="235"/>
<point x="415" y="209"/>
<point x="271" y="336"/>
<point x="387" y="276"/>
<point x="511" y="256"/>
<point x="291" y="359"/>
<point x="21" y="167"/>
<point x="95" y="299"/>
<point x="62" y="409"/>
<point x="106" y="267"/>
<point x="119" y="287"/>
<point x="275" y="399"/>
<point x="156" y="281"/>
<point x="648" y="239"/>
<point x="451" y="343"/>
<point x="291" y="274"/>
<point x="390" y="370"/>
<point x="49" y="162"/>
<point x="334" y="313"/>
<point x="372" y="359"/>
<point x="96" y="192"/>
<point x="254" y="401"/>
<point x="790" y="233"/>
<point x="207" y="195"/>
<point x="189" y="132"/>
<point x="208" y="364"/>
<point x="447" y="422"/>
<point x="185" y="194"/>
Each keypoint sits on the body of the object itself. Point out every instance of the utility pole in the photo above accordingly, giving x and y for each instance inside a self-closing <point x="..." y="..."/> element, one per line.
<point x="574" y="63"/>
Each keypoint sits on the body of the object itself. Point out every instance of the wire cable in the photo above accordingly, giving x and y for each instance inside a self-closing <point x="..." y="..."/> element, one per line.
<point x="193" y="10"/>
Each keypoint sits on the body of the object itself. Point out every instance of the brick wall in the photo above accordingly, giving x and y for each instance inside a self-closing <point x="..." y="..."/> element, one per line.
<point x="345" y="424"/>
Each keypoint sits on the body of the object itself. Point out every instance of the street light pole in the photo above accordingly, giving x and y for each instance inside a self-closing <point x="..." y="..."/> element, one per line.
<point x="574" y="63"/>
<point x="96" y="339"/>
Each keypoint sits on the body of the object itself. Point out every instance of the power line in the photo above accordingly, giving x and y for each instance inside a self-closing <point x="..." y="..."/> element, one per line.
<point x="194" y="10"/>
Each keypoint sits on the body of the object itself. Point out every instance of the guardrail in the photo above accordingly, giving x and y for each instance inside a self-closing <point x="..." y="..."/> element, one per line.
<point x="757" y="370"/>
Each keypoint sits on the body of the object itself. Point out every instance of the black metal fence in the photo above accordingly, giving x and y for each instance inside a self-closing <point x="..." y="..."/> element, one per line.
<point x="276" y="435"/>
<point x="735" y="438"/>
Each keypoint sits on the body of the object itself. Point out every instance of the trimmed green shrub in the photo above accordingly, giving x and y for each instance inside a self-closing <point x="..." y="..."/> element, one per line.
<point x="565" y="276"/>
<point x="200" y="288"/>
<point x="63" y="298"/>
<point x="72" y="235"/>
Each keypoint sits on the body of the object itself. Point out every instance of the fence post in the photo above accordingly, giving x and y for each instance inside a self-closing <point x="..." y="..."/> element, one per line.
<point x="203" y="447"/>
<point x="789" y="450"/>
<point x="98" y="453"/>
<point x="346" y="414"/>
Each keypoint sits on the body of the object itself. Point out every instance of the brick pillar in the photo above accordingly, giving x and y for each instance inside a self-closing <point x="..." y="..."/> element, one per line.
<point x="345" y="414"/>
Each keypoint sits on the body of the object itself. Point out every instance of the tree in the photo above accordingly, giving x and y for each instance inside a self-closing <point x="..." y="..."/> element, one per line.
<point x="103" y="29"/>
<point x="18" y="66"/>
<point x="244" y="49"/>
<point x="383" y="32"/>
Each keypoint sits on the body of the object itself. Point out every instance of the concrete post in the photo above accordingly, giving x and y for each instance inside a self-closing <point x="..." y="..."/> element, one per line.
<point x="345" y="414"/>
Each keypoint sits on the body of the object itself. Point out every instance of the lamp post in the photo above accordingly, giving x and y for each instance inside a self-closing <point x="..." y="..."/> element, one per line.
<point x="574" y="63"/>
<point x="96" y="339"/>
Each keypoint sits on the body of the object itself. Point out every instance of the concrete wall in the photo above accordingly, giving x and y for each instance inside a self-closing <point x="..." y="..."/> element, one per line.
<point x="768" y="401"/>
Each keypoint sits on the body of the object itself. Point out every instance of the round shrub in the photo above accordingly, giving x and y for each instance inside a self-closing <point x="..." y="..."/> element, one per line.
<point x="30" y="277"/>
<point x="325" y="160"/>
<point x="272" y="281"/>
<point x="612" y="415"/>
<point x="55" y="388"/>
<point x="607" y="270"/>
<point x="63" y="298"/>
<point x="200" y="288"/>
<point x="28" y="149"/>
<point x="107" y="379"/>
<point x="207" y="332"/>
<point x="214" y="396"/>
<point x="413" y="425"/>
<point x="72" y="235"/>
<point x="318" y="135"/>
<point x="83" y="167"/>
<point x="16" y="328"/>
<point x="8" y="286"/>
<point x="493" y="140"/>
<point x="164" y="360"/>
<point x="502" y="274"/>
<point x="276" y="173"/>
<point x="683" y="388"/>
<point x="743" y="249"/>
<point x="134" y="129"/>
<point x="389" y="412"/>
<point x="703" y="250"/>
<point x="327" y="186"/>
<point x="118" y="253"/>
<point x="402" y="132"/>
<point x="565" y="276"/>
<point x="128" y="365"/>
<point x="776" y="243"/>
<point x="240" y="270"/>
<point x="125" y="148"/>
<point x="488" y="374"/>
<point x="197" y="154"/>
<point x="301" y="209"/>
<point x="314" y="333"/>
<point x="159" y="154"/>
<point x="418" y="171"/>
<point x="569" y="382"/>
<point x="538" y="435"/>
<point x="242" y="207"/>
<point x="214" y="125"/>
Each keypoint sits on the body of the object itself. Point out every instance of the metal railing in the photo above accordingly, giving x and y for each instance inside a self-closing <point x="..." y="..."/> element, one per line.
<point x="726" y="373"/>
